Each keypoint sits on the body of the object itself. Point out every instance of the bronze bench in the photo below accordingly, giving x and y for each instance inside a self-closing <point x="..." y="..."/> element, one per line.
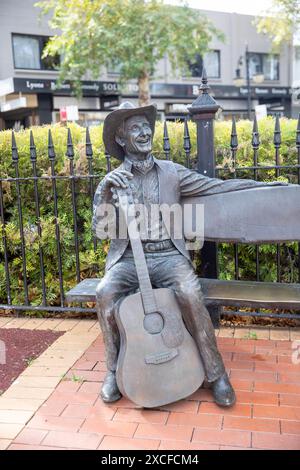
<point x="239" y="221"/>
<point x="268" y="295"/>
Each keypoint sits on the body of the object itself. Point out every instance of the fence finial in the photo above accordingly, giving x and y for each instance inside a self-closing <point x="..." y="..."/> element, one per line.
<point x="70" y="148"/>
<point x="166" y="139"/>
<point x="204" y="103"/>
<point x="88" y="144"/>
<point x="233" y="137"/>
<point x="51" y="151"/>
<point x="32" y="147"/>
<point x="277" y="132"/>
<point x="255" y="134"/>
<point x="14" y="148"/>
<point x="186" y="137"/>
<point x="187" y="143"/>
<point x="204" y="87"/>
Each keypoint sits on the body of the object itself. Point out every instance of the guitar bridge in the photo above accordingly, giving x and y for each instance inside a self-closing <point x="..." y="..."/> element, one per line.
<point x="161" y="357"/>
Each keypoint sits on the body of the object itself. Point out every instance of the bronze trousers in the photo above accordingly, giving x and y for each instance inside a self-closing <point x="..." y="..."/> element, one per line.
<point x="166" y="269"/>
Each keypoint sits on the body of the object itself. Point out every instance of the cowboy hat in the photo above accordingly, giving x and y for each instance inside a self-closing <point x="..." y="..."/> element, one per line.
<point x="114" y="119"/>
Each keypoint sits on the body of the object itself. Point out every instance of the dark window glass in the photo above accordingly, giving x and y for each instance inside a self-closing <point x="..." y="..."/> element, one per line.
<point x="196" y="67"/>
<point x="27" y="52"/>
<point x="48" y="63"/>
<point x="211" y="61"/>
<point x="255" y="64"/>
<point x="266" y="64"/>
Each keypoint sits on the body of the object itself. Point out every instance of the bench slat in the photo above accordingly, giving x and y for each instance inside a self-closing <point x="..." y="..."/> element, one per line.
<point x="85" y="291"/>
<point x="251" y="294"/>
<point x="218" y="292"/>
<point x="234" y="216"/>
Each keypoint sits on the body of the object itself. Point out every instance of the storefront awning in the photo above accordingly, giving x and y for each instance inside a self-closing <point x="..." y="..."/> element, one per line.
<point x="36" y="85"/>
<point x="162" y="90"/>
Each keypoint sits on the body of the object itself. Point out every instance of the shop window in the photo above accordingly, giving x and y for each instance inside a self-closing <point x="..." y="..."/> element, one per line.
<point x="27" y="53"/>
<point x="211" y="61"/>
<point x="266" y="64"/>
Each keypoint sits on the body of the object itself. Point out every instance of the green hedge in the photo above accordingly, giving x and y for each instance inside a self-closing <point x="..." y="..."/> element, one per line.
<point x="92" y="263"/>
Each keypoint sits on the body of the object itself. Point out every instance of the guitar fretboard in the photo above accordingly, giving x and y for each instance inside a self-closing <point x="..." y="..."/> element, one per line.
<point x="149" y="302"/>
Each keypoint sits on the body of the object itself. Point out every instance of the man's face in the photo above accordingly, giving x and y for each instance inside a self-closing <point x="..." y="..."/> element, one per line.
<point x="137" y="135"/>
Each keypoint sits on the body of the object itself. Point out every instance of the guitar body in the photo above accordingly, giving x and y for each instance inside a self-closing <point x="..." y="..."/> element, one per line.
<point x="156" y="368"/>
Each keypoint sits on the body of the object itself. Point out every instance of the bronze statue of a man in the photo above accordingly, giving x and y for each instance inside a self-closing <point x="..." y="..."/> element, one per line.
<point x="127" y="134"/>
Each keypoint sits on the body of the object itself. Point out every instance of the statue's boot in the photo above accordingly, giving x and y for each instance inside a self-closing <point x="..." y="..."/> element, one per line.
<point x="110" y="391"/>
<point x="223" y="392"/>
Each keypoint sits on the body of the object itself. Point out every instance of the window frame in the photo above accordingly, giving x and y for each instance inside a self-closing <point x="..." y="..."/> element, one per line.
<point x="41" y="43"/>
<point x="218" y="51"/>
<point x="262" y="56"/>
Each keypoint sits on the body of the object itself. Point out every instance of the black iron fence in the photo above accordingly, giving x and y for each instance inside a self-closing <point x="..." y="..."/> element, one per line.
<point x="44" y="186"/>
<point x="256" y="170"/>
<point x="21" y="184"/>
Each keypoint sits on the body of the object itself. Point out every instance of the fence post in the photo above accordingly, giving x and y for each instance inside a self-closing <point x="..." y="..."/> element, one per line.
<point x="203" y="111"/>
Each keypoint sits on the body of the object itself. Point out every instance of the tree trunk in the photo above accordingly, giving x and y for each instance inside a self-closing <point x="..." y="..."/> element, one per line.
<point x="144" y="89"/>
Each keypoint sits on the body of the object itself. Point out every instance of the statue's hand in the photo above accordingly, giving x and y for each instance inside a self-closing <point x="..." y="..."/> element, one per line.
<point x="117" y="178"/>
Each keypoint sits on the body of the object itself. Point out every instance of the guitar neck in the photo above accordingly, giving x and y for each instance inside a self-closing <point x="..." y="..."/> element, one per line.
<point x="128" y="209"/>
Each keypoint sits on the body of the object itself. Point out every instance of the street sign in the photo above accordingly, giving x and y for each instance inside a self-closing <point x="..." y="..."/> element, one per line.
<point x="68" y="113"/>
<point x="72" y="113"/>
<point x="260" y="111"/>
<point x="63" y="114"/>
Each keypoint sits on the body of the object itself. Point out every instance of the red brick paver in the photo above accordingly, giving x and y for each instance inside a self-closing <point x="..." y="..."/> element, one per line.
<point x="266" y="416"/>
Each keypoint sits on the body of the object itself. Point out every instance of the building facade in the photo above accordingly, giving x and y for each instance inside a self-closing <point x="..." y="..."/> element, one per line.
<point x="29" y="94"/>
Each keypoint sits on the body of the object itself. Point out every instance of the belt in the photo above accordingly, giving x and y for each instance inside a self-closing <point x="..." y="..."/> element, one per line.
<point x="162" y="245"/>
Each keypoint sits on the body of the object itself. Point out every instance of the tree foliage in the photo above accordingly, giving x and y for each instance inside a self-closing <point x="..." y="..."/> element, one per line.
<point x="131" y="34"/>
<point x="281" y="21"/>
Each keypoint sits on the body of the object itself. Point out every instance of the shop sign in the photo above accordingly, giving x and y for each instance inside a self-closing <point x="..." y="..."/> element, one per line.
<point x="89" y="88"/>
<point x="103" y="88"/>
<point x="167" y="90"/>
<point x="265" y="91"/>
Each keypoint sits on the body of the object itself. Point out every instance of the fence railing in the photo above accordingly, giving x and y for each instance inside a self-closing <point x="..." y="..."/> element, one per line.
<point x="72" y="180"/>
<point x="253" y="171"/>
<point x="54" y="187"/>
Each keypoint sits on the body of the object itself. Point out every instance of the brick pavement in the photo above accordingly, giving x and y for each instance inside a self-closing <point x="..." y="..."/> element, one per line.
<point x="42" y="410"/>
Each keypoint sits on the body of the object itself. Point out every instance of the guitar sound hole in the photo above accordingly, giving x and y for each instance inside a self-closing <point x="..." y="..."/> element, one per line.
<point x="153" y="323"/>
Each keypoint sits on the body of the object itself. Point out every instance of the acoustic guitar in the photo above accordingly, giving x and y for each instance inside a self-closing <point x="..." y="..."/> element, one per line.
<point x="159" y="362"/>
